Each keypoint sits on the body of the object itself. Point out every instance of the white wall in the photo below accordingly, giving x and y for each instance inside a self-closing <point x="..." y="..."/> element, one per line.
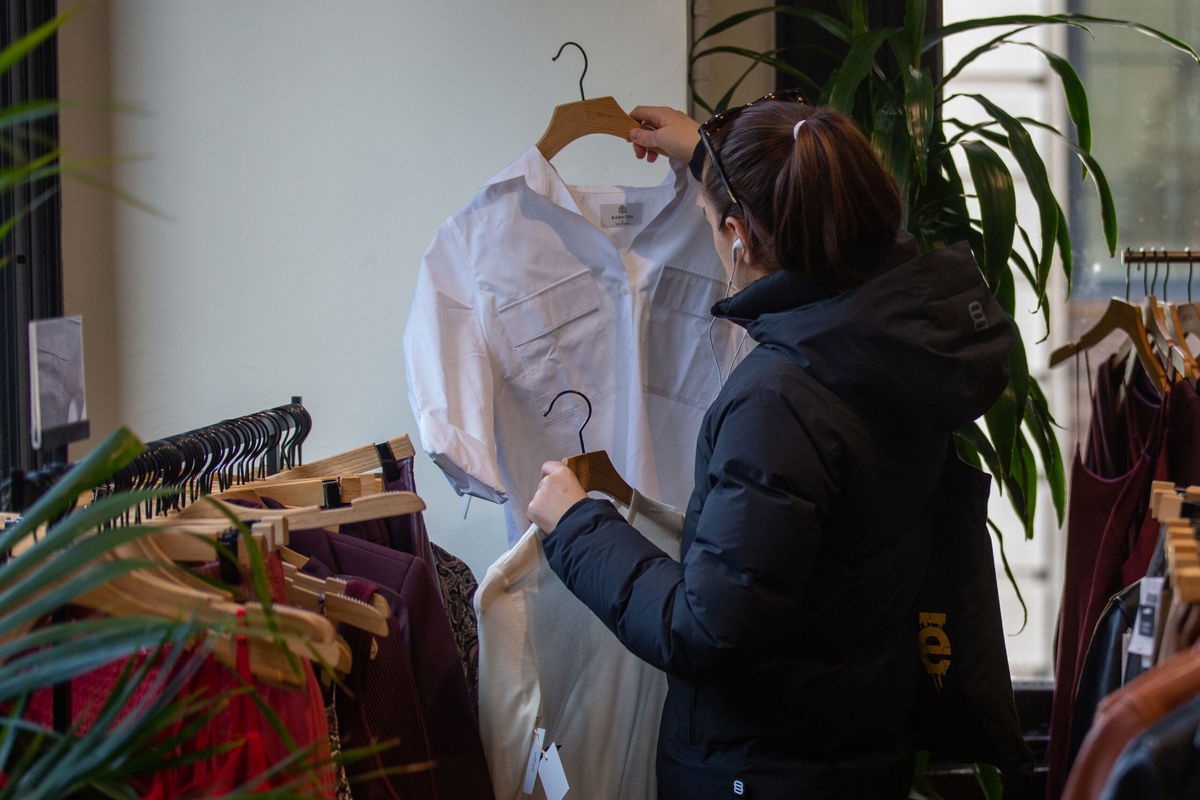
<point x="302" y="155"/>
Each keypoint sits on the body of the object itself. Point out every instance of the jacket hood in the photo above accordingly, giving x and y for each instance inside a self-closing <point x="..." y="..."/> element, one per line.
<point x="922" y="344"/>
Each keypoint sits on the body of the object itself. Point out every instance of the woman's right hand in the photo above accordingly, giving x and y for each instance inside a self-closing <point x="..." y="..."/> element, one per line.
<point x="670" y="131"/>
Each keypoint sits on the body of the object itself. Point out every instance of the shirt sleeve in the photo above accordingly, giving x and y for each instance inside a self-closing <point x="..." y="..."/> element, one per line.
<point x="449" y="370"/>
<point x="731" y="599"/>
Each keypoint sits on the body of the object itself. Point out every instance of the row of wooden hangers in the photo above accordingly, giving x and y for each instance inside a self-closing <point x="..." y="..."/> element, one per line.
<point x="1174" y="508"/>
<point x="277" y="637"/>
<point x="1156" y="330"/>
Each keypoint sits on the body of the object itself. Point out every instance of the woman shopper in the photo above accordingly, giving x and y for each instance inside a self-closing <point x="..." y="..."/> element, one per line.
<point x="787" y="629"/>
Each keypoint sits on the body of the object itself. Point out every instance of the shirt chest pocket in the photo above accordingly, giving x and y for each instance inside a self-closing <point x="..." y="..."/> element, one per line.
<point x="679" y="358"/>
<point x="557" y="332"/>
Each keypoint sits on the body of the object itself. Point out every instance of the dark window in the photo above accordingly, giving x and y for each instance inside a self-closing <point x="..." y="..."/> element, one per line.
<point x="31" y="275"/>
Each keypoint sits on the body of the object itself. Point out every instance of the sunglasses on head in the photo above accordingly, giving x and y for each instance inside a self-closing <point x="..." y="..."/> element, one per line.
<point x="718" y="121"/>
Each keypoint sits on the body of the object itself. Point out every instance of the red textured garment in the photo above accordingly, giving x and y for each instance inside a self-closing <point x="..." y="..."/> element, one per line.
<point x="234" y="767"/>
<point x="300" y="711"/>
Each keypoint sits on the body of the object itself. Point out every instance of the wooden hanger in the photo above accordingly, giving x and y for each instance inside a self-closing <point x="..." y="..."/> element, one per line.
<point x="351" y="462"/>
<point x="1120" y="315"/>
<point x="1179" y="335"/>
<point x="303" y="633"/>
<point x="304" y="491"/>
<point x="328" y="597"/>
<point x="596" y="473"/>
<point x="194" y="543"/>
<point x="594" y="470"/>
<point x="363" y="509"/>
<point x="572" y="121"/>
<point x="1158" y="330"/>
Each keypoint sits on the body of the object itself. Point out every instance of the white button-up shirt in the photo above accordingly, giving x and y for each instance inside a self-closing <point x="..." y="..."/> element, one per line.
<point x="535" y="287"/>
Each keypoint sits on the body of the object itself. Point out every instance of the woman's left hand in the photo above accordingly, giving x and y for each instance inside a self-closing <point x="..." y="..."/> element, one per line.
<point x="558" y="491"/>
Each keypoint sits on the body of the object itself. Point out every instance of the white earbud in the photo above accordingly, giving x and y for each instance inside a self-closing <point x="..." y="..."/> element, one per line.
<point x="738" y="249"/>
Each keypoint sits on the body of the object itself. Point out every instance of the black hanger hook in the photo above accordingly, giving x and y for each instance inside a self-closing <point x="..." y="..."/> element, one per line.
<point x="1128" y="256"/>
<point x="1188" y="250"/>
<point x="550" y="408"/>
<point x="1145" y="270"/>
<point x="1153" y="283"/>
<point x="585" y="64"/>
<point x="1166" y="278"/>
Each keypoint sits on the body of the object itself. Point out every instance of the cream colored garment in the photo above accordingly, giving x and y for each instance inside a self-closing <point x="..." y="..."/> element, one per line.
<point x="546" y="661"/>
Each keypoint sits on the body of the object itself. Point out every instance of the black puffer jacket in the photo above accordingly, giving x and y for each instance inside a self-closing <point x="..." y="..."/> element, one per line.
<point x="787" y="629"/>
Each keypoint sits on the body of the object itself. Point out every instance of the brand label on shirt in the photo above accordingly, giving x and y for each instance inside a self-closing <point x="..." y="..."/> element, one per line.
<point x="1142" y="641"/>
<point x="614" y="215"/>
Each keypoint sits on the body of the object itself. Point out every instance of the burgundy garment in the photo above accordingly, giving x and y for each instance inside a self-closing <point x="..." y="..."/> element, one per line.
<point x="1106" y="539"/>
<point x="380" y="703"/>
<point x="408" y="533"/>
<point x="461" y="771"/>
<point x="1107" y="449"/>
<point x="1183" y="445"/>
<point x="456" y="583"/>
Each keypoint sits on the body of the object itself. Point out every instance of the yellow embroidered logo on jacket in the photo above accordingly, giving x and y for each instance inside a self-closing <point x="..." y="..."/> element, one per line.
<point x="935" y="645"/>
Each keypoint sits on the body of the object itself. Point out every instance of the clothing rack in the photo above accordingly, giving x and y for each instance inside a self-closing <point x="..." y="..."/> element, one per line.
<point x="236" y="450"/>
<point x="1155" y="256"/>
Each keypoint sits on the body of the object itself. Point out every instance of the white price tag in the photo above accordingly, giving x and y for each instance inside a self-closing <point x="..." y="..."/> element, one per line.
<point x="534" y="762"/>
<point x="1142" y="641"/>
<point x="554" y="779"/>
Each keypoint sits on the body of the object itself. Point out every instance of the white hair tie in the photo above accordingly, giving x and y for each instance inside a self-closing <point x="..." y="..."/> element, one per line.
<point x="796" y="130"/>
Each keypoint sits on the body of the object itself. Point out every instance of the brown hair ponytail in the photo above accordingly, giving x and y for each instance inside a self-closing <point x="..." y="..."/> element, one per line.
<point x="821" y="202"/>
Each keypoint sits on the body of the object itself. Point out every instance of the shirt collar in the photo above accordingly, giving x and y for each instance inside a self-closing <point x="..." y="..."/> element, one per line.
<point x="543" y="179"/>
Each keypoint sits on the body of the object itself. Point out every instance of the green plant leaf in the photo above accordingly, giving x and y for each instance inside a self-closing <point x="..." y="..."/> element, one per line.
<point x="113" y="453"/>
<point x="1005" y="289"/>
<point x="987" y="46"/>
<point x="1040" y="424"/>
<point x="918" y="102"/>
<point x="914" y="22"/>
<point x="997" y="205"/>
<point x="890" y="140"/>
<point x="91" y="577"/>
<point x="1108" y="208"/>
<point x="93" y="516"/>
<point x="855" y="67"/>
<point x="1065" y="254"/>
<point x="768" y="58"/>
<point x="1076" y="20"/>
<point x="831" y="24"/>
<point x="1025" y="476"/>
<point x="1008" y="573"/>
<point x="1021" y="145"/>
<point x="1076" y="95"/>
<point x="987" y="776"/>
<point x="972" y="435"/>
<point x="22" y="47"/>
<point x="856" y="11"/>
<point x="1030" y="277"/>
<point x="1003" y="421"/>
<point x="32" y="111"/>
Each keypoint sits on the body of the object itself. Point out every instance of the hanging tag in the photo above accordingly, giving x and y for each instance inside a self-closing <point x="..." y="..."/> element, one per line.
<point x="1142" y="640"/>
<point x="535" y="760"/>
<point x="554" y="779"/>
